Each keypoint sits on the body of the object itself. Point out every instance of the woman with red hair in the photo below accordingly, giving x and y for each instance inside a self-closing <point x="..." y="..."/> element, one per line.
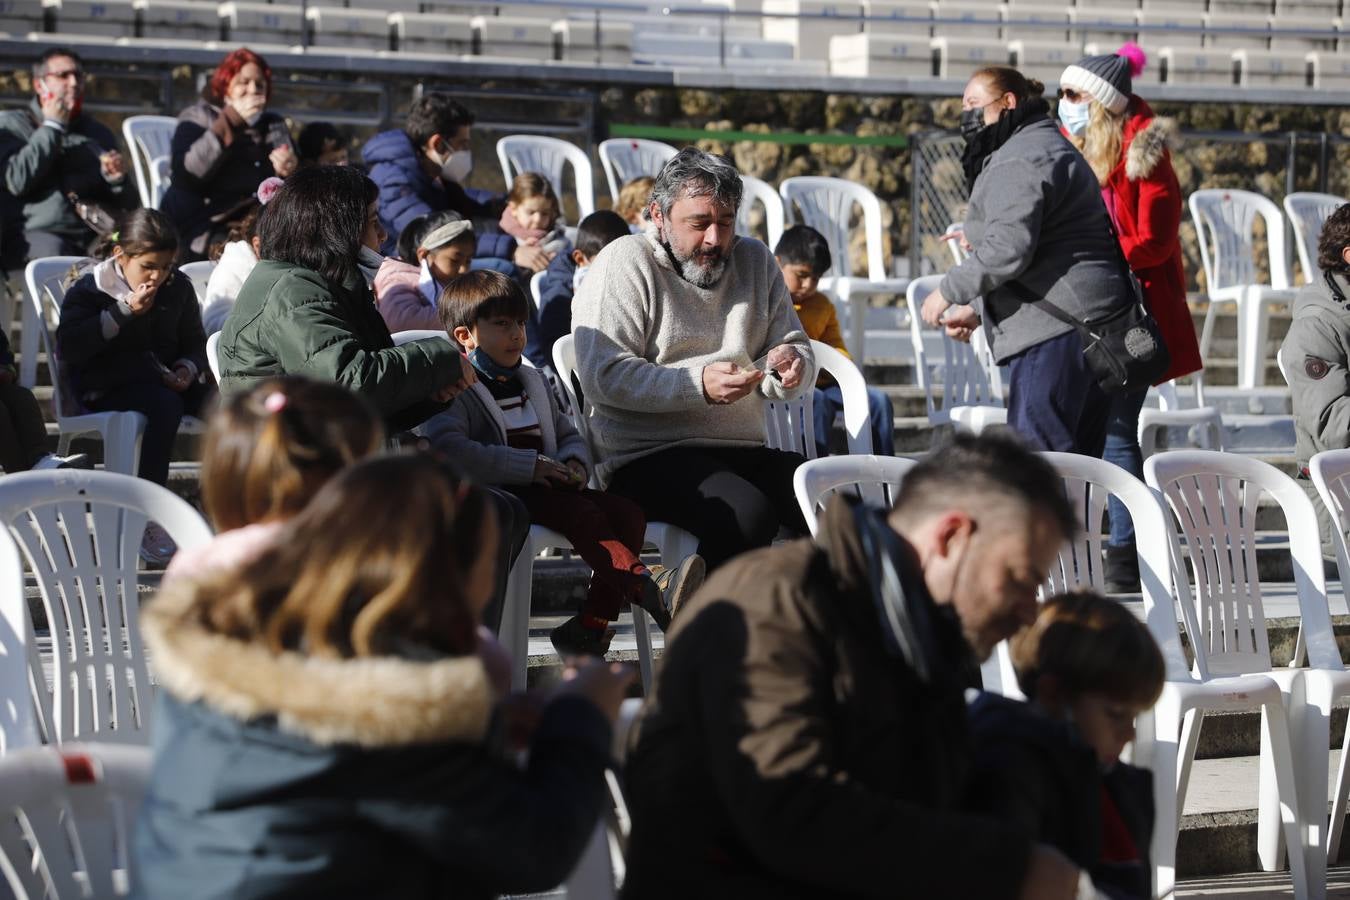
<point x="224" y="147"/>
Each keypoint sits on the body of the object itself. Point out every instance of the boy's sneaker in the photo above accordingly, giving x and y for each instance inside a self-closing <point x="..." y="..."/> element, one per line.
<point x="667" y="590"/>
<point x="572" y="638"/>
<point x="157" y="548"/>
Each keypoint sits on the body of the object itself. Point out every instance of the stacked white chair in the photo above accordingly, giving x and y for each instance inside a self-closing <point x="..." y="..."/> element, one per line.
<point x="1224" y="222"/>
<point x="1307" y="211"/>
<point x="874" y="479"/>
<point x="826" y="204"/>
<point x="624" y="159"/>
<point x="972" y="385"/>
<point x="81" y="534"/>
<point x="549" y="156"/>
<point x="148" y="139"/>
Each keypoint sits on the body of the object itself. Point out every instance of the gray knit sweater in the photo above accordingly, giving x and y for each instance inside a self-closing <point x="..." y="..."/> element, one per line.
<point x="643" y="335"/>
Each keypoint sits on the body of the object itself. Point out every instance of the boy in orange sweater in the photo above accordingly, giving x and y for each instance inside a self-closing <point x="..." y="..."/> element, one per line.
<point x="804" y="258"/>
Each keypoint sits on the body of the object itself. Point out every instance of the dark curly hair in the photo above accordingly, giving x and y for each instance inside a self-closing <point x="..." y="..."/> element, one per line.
<point x="1335" y="238"/>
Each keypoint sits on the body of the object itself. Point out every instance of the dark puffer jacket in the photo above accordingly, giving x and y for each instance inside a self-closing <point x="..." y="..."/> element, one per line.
<point x="283" y="775"/>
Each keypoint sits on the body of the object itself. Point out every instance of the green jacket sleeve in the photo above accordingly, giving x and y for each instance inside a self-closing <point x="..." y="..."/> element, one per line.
<point x="29" y="165"/>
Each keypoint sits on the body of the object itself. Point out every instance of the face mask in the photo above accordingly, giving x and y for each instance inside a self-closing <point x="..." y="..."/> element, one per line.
<point x="1074" y="115"/>
<point x="369" y="258"/>
<point x="457" y="166"/>
<point x="252" y="120"/>
<point x="489" y="367"/>
<point x="579" y="276"/>
<point x="972" y="122"/>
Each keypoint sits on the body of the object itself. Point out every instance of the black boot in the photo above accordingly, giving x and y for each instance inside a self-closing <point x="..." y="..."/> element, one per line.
<point x="1122" y="569"/>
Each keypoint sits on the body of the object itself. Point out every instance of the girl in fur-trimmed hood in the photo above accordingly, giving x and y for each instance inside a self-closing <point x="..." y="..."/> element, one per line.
<point x="1128" y="149"/>
<point x="323" y="714"/>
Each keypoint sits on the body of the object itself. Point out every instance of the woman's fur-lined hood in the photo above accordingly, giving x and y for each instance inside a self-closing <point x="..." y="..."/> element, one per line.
<point x="1148" y="146"/>
<point x="371" y="702"/>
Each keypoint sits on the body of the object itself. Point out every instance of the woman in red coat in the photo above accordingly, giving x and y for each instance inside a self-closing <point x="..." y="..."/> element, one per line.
<point x="1128" y="149"/>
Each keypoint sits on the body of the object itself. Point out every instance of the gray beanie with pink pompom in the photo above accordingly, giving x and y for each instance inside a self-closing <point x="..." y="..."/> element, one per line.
<point x="1109" y="77"/>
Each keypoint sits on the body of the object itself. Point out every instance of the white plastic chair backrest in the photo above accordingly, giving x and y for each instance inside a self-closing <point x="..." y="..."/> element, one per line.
<point x="624" y="159"/>
<point x="1088" y="483"/>
<point x="18" y="650"/>
<point x="1330" y="472"/>
<point x="1223" y="223"/>
<point x="565" y="364"/>
<point x="853" y="387"/>
<point x="536" y="288"/>
<point x="161" y="173"/>
<point x="968" y="374"/>
<point x="45" y="280"/>
<point x="417" y="334"/>
<point x="762" y="191"/>
<point x="213" y="354"/>
<point x="81" y="534"/>
<point x="547" y="156"/>
<point x="148" y="138"/>
<point x="791" y="425"/>
<point x="826" y="204"/>
<point x="67" y="815"/>
<point x="1307" y="211"/>
<point x="1213" y="498"/>
<point x="958" y="252"/>
<point x="199" y="273"/>
<point x="1279" y="362"/>
<point x="875" y="479"/>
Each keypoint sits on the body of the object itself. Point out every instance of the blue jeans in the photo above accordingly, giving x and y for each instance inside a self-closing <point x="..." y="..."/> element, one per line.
<point x="1122" y="448"/>
<point x="830" y="401"/>
<point x="1054" y="402"/>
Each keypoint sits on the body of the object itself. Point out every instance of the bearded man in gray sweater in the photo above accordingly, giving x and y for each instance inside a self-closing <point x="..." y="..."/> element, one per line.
<point x="682" y="333"/>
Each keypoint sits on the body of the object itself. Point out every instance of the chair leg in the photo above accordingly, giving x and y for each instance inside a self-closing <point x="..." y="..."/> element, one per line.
<point x="122" y="443"/>
<point x="857" y="321"/>
<point x="1190" y="739"/>
<point x="642" y="633"/>
<point x="1251" y="338"/>
<point x="1148" y="440"/>
<point x="1310" y="728"/>
<point x="1207" y="330"/>
<point x="1276" y="746"/>
<point x="29" y="342"/>
<point x="1158" y="747"/>
<point x="515" y="627"/>
<point x="1338" y="806"/>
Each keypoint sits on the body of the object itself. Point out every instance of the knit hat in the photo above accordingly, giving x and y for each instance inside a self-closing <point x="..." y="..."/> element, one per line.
<point x="1108" y="78"/>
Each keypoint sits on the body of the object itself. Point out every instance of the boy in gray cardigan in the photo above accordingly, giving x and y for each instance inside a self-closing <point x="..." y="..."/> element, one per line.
<point x="507" y="431"/>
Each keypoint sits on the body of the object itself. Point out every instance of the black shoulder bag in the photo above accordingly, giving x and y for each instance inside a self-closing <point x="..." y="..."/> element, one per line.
<point x="1124" y="350"/>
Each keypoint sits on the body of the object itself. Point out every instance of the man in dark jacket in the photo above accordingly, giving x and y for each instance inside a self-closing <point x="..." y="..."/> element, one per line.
<point x="807" y="737"/>
<point x="50" y="151"/>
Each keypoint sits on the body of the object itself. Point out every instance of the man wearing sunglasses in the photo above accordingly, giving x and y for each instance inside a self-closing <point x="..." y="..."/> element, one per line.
<point x="51" y="152"/>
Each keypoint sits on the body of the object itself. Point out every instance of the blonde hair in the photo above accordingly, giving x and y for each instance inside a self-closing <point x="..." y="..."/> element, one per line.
<point x="376" y="564"/>
<point x="1101" y="142"/>
<point x="270" y="450"/>
<point x="634" y="197"/>
<point x="528" y="185"/>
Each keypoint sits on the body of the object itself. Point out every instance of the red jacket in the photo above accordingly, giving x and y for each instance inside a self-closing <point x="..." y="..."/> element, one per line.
<point x="1147" y="210"/>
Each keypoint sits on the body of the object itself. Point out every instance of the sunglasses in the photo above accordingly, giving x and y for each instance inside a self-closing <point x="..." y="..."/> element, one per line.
<point x="1071" y="95"/>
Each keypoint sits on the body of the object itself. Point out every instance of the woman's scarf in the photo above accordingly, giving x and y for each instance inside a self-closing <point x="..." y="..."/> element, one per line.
<point x="982" y="144"/>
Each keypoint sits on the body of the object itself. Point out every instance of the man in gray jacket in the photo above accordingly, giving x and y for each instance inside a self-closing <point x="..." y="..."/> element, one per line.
<point x="1316" y="354"/>
<point x="50" y="151"/>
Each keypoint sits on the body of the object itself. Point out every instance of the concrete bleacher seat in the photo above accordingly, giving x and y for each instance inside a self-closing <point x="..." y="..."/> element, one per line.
<point x="575" y="41"/>
<point x="1111" y="27"/>
<point x="21" y="16"/>
<point x="1044" y="60"/>
<point x="657" y="49"/>
<point x="1257" y="26"/>
<point x="180" y="19"/>
<point x="1168" y="20"/>
<point x="1317" y="9"/>
<point x="337" y="27"/>
<point x="1196" y="65"/>
<point x="1330" y="71"/>
<point x="109" y="18"/>
<point x="956" y="57"/>
<point x="1050" y="15"/>
<point x="1326" y="41"/>
<point x="261" y="22"/>
<point x="967" y="11"/>
<point x="811" y="37"/>
<point x="881" y="55"/>
<point x="513" y="37"/>
<point x="899" y="10"/>
<point x="432" y="32"/>
<point x="1277" y="68"/>
<point x="1240" y="7"/>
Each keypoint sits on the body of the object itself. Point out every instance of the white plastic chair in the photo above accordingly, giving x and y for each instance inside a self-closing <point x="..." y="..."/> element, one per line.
<point x="81" y="534"/>
<point x="536" y="288"/>
<point x="1223" y="225"/>
<point x="763" y="192"/>
<point x="972" y="384"/>
<point x="199" y="273"/>
<point x="149" y="139"/>
<point x="213" y="355"/>
<point x="1207" y="420"/>
<point x="417" y="334"/>
<point x="875" y="479"/>
<point x="603" y="859"/>
<point x="952" y="236"/>
<point x="624" y="159"/>
<point x="120" y="431"/>
<point x="1165" y="740"/>
<point x="18" y="655"/>
<point x="161" y="173"/>
<point x="1307" y="211"/>
<point x="790" y="424"/>
<point x="547" y="156"/>
<point x="67" y="815"/>
<point x="1213" y="497"/>
<point x="826" y="204"/>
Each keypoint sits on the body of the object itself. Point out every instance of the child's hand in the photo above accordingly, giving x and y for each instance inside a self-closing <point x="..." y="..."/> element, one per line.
<point x="604" y="684"/>
<point x="532" y="258"/>
<point x="284" y="161"/>
<point x="142" y="300"/>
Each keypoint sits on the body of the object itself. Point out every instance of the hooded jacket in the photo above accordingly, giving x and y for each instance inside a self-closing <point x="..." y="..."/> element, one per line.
<point x="789" y="751"/>
<point x="1316" y="356"/>
<point x="1036" y="218"/>
<point x="1146" y="203"/>
<point x="284" y="775"/>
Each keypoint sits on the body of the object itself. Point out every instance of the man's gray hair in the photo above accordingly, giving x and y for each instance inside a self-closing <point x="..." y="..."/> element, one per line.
<point x="696" y="173"/>
<point x="40" y="67"/>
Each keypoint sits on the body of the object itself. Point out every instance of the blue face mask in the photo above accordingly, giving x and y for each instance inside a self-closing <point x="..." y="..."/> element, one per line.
<point x="491" y="369"/>
<point x="1075" y="115"/>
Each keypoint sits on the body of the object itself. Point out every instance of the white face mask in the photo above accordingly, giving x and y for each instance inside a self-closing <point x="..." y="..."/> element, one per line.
<point x="252" y="120"/>
<point x="1075" y="115"/>
<point x="579" y="276"/>
<point x="457" y="166"/>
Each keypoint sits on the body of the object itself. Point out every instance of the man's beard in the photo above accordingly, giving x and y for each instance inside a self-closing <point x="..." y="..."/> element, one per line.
<point x="701" y="268"/>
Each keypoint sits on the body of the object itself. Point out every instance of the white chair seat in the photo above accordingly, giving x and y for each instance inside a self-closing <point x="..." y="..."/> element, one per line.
<point x="875" y="479"/>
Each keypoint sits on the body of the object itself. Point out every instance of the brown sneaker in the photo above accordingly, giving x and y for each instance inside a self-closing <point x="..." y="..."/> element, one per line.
<point x="571" y="638"/>
<point x="674" y="586"/>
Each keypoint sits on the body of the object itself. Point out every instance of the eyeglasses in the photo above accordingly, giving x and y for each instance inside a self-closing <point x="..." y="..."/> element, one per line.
<point x="1071" y="95"/>
<point x="64" y="75"/>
